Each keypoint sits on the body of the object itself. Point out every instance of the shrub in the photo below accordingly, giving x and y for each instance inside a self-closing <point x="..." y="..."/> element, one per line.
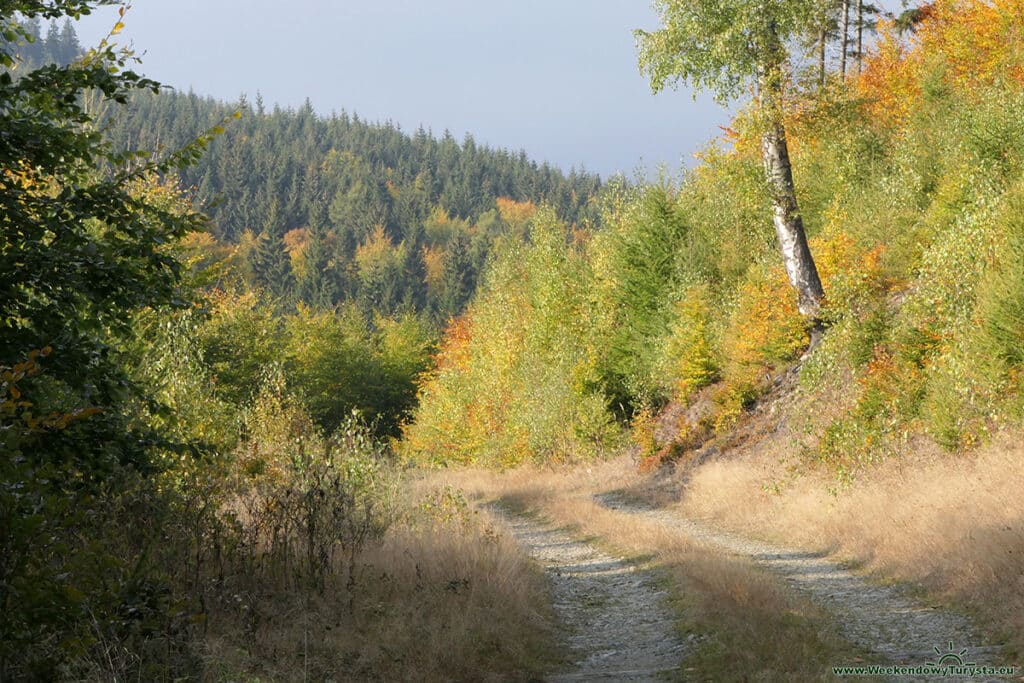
<point x="764" y="329"/>
<point x="308" y="496"/>
<point x="690" y="357"/>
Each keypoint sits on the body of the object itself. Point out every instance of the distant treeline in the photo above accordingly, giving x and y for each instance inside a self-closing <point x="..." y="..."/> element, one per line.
<point x="332" y="209"/>
<point x="59" y="46"/>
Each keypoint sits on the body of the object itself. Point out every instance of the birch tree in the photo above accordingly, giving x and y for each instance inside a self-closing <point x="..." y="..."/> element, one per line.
<point x="723" y="46"/>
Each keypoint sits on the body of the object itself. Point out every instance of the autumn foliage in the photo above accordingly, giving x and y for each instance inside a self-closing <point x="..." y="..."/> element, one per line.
<point x="907" y="175"/>
<point x="965" y="44"/>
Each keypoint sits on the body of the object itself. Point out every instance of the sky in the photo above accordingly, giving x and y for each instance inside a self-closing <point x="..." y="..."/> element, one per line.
<point x="557" y="78"/>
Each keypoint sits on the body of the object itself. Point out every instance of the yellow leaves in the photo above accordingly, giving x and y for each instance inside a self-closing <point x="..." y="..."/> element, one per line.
<point x="378" y="253"/>
<point x="514" y="379"/>
<point x="375" y="248"/>
<point x="514" y="212"/>
<point x="433" y="266"/>
<point x="295" y="243"/>
<point x="439" y="216"/>
<point x="970" y="42"/>
<point x="201" y="249"/>
<point x="30" y="181"/>
<point x="119" y="26"/>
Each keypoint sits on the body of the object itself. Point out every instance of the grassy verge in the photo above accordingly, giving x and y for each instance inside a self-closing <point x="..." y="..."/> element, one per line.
<point x="953" y="525"/>
<point x="422" y="607"/>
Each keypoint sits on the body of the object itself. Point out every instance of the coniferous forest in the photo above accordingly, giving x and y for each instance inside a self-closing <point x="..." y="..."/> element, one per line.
<point x="331" y="209"/>
<point x="278" y="387"/>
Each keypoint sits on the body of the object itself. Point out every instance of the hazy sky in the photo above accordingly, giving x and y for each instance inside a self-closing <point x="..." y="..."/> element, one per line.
<point x="557" y="78"/>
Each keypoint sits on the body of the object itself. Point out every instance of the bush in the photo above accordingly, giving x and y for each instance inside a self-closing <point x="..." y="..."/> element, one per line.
<point x="690" y="353"/>
<point x="307" y="496"/>
<point x="339" y="363"/>
<point x="764" y="329"/>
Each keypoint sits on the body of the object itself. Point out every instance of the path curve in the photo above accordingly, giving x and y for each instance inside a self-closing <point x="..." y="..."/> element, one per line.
<point x="882" y="619"/>
<point x="619" y="627"/>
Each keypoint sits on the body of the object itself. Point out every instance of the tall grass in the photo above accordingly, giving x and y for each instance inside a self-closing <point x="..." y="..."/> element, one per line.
<point x="953" y="525"/>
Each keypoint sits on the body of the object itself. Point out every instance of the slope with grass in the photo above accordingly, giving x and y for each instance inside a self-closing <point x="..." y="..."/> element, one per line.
<point x="673" y="331"/>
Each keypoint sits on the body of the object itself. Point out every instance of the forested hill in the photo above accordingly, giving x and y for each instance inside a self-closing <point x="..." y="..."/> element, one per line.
<point x="336" y="208"/>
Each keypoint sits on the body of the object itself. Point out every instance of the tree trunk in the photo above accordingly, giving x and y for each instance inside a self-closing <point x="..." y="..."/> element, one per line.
<point x="789" y="225"/>
<point x="844" y="32"/>
<point x="860" y="35"/>
<point x="822" y="34"/>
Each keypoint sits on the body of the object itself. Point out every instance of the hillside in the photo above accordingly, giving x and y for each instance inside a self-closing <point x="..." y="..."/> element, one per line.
<point x="908" y="178"/>
<point x="332" y="209"/>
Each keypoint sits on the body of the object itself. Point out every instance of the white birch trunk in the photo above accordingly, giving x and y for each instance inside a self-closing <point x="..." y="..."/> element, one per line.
<point x="789" y="225"/>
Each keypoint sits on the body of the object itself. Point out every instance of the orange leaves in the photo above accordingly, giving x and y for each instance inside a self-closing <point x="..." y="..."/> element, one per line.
<point x="980" y="41"/>
<point x="15" y="408"/>
<point x="766" y="325"/>
<point x="968" y="43"/>
<point x="890" y="81"/>
<point x="454" y="353"/>
<point x="10" y="394"/>
<point x="765" y="328"/>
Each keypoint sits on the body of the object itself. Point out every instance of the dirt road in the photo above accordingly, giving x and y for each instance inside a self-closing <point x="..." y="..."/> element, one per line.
<point x="620" y="627"/>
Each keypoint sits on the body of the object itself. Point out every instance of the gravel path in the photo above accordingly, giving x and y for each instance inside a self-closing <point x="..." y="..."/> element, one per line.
<point x="618" y="625"/>
<point x="881" y="618"/>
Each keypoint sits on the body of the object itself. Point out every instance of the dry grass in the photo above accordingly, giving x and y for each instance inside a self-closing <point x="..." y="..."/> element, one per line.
<point x="423" y="609"/>
<point x="953" y="524"/>
<point x="748" y="624"/>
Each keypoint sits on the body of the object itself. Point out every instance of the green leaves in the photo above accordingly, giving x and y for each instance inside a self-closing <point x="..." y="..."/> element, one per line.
<point x="85" y="241"/>
<point x="715" y="45"/>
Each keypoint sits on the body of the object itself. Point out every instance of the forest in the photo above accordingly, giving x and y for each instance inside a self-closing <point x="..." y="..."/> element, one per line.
<point x="241" y="344"/>
<point x="332" y="209"/>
